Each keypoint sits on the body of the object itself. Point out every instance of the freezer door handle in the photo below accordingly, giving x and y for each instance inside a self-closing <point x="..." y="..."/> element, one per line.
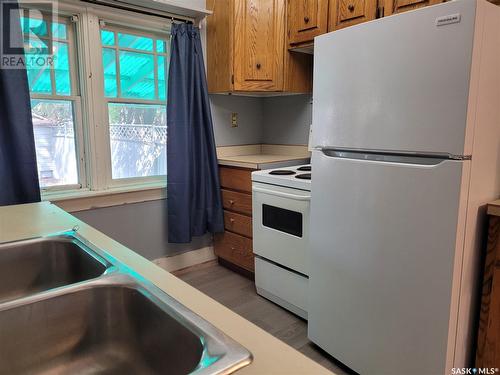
<point x="281" y="194"/>
<point x="387" y="157"/>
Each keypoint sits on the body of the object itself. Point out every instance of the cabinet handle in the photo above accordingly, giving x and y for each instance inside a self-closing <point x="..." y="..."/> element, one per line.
<point x="306" y="19"/>
<point x="350" y="7"/>
<point x="258" y="66"/>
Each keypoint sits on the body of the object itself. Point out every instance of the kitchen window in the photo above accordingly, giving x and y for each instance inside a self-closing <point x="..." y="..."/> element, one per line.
<point x="55" y="101"/>
<point x="99" y="108"/>
<point x="134" y="68"/>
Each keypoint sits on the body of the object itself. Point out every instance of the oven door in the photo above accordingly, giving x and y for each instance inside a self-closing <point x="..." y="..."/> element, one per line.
<point x="281" y="225"/>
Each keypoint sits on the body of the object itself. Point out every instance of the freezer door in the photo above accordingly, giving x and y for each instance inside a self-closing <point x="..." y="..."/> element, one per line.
<point x="383" y="238"/>
<point x="400" y="83"/>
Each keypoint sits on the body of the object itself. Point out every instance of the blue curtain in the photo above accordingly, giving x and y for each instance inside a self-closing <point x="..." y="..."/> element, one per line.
<point x="18" y="170"/>
<point x="193" y="190"/>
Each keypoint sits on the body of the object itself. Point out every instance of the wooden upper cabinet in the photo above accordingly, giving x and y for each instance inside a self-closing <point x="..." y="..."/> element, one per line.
<point x="306" y="19"/>
<point x="399" y="6"/>
<point x="247" y="49"/>
<point x="258" y="45"/>
<point x="345" y="13"/>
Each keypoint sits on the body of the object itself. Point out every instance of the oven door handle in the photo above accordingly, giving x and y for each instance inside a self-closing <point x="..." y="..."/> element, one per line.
<point x="282" y="195"/>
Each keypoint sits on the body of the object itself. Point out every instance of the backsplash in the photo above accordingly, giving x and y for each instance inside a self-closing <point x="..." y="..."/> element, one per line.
<point x="272" y="120"/>
<point x="287" y="119"/>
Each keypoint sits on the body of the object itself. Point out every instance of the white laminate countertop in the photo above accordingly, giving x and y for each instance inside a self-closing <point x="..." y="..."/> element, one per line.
<point x="262" y="156"/>
<point x="271" y="356"/>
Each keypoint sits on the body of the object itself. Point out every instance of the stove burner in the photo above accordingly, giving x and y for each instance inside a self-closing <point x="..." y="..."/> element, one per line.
<point x="304" y="176"/>
<point x="282" y="172"/>
<point x="305" y="168"/>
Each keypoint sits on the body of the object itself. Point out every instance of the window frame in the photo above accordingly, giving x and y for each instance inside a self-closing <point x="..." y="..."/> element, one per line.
<point x="148" y="24"/>
<point x="119" y="27"/>
<point x="74" y="97"/>
<point x="90" y="110"/>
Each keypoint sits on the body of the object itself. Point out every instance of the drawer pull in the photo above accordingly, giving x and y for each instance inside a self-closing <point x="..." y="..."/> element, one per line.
<point x="231" y="220"/>
<point x="231" y="202"/>
<point x="350" y="7"/>
<point x="258" y="66"/>
<point x="306" y="19"/>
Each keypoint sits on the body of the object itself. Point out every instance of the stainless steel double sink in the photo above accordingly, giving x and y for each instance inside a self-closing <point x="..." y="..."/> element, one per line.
<point x="67" y="307"/>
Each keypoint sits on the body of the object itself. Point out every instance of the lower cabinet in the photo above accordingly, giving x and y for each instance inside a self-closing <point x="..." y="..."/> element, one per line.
<point x="488" y="344"/>
<point x="235" y="249"/>
<point x="235" y="244"/>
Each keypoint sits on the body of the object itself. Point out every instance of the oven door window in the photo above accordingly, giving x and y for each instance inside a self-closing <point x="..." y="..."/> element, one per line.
<point x="281" y="219"/>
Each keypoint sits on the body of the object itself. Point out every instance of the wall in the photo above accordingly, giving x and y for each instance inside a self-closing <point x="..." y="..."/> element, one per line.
<point x="273" y="120"/>
<point x="141" y="227"/>
<point x="250" y="119"/>
<point x="287" y="119"/>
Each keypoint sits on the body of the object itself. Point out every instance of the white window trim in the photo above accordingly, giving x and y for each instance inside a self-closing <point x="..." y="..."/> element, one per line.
<point x="102" y="153"/>
<point x="154" y="34"/>
<point x="75" y="99"/>
<point x="94" y="153"/>
<point x="80" y="200"/>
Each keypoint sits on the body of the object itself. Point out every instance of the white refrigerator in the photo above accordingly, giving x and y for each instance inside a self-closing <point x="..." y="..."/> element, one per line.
<point x="406" y="136"/>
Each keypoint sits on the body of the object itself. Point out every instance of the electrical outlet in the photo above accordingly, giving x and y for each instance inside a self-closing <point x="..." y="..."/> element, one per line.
<point x="234" y="120"/>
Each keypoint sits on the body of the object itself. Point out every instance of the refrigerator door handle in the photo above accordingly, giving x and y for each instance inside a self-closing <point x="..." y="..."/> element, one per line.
<point x="385" y="157"/>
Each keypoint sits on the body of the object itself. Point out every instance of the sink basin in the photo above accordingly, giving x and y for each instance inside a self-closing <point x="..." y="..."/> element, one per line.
<point x="67" y="307"/>
<point x="111" y="330"/>
<point x="32" y="266"/>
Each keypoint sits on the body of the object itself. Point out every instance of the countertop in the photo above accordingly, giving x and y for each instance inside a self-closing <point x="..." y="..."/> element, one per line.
<point x="271" y="356"/>
<point x="494" y="208"/>
<point x="262" y="156"/>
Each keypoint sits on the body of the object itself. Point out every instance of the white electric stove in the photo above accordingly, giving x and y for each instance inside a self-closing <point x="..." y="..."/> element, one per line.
<point x="280" y="200"/>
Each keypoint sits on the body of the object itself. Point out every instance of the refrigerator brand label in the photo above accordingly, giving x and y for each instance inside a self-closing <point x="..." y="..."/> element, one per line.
<point x="447" y="20"/>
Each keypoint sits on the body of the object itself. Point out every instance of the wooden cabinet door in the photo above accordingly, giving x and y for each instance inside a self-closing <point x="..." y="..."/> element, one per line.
<point x="345" y="13"/>
<point x="259" y="44"/>
<point x="306" y="19"/>
<point x="235" y="249"/>
<point x="399" y="6"/>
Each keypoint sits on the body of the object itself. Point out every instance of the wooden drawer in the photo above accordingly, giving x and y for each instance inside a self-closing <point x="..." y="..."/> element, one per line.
<point x="236" y="178"/>
<point x="235" y="249"/>
<point x="238" y="223"/>
<point x="239" y="202"/>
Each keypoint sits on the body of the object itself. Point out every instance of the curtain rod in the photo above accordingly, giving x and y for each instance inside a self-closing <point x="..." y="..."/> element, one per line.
<point x="141" y="10"/>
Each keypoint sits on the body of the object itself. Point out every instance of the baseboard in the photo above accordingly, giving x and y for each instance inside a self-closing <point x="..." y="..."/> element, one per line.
<point x="188" y="259"/>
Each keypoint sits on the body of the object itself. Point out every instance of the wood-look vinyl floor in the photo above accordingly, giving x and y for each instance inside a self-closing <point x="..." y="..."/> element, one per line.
<point x="238" y="294"/>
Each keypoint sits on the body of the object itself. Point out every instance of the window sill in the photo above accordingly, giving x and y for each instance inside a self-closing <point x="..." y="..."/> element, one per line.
<point x="84" y="199"/>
